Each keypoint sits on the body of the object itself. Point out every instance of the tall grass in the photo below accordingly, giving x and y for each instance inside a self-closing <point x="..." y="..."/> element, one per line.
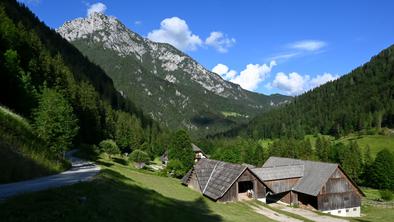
<point x="22" y="154"/>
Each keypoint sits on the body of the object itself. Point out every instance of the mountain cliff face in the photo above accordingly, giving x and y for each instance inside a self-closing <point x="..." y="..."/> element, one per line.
<point x="166" y="83"/>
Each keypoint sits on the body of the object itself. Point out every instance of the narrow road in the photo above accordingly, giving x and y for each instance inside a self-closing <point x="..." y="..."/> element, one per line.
<point x="308" y="214"/>
<point x="80" y="171"/>
<point x="275" y="216"/>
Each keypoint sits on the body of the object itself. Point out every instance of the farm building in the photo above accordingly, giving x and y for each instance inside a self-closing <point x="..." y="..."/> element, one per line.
<point x="199" y="154"/>
<point x="317" y="185"/>
<point x="221" y="181"/>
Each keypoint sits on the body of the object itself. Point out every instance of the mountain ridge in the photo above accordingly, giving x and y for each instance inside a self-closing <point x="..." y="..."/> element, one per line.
<point x="167" y="83"/>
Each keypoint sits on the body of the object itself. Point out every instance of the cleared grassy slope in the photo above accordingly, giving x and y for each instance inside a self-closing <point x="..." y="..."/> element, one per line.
<point x="376" y="142"/>
<point x="22" y="154"/>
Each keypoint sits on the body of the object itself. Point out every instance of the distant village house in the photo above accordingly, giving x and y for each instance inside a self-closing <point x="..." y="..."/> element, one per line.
<point x="198" y="154"/>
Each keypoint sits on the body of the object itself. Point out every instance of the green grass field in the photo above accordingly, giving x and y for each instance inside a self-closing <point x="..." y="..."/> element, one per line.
<point x="122" y="193"/>
<point x="376" y="142"/>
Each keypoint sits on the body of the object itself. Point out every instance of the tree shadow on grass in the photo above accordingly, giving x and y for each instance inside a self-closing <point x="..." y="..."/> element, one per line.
<point x="107" y="164"/>
<point x="120" y="161"/>
<point x="112" y="197"/>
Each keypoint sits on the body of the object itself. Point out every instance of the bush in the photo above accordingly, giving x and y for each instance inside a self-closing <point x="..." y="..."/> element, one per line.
<point x="386" y="195"/>
<point x="109" y="147"/>
<point x="176" y="168"/>
<point x="139" y="156"/>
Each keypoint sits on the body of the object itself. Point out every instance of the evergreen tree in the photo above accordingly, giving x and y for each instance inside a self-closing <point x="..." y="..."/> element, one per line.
<point x="181" y="149"/>
<point x="352" y="162"/>
<point x="55" y="122"/>
<point x="323" y="148"/>
<point x="382" y="174"/>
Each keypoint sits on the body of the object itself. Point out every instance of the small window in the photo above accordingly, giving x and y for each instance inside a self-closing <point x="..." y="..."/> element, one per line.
<point x="339" y="211"/>
<point x="354" y="209"/>
<point x="347" y="210"/>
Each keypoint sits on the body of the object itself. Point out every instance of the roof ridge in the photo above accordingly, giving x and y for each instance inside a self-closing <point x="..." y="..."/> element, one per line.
<point x="210" y="176"/>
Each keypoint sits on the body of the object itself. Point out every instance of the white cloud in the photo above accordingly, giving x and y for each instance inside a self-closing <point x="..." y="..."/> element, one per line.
<point x="308" y="45"/>
<point x="291" y="84"/>
<point x="97" y="7"/>
<point x="224" y="71"/>
<point x="176" y="32"/>
<point x="249" y="78"/>
<point x="321" y="79"/>
<point x="219" y="41"/>
<point x="138" y="22"/>
<point x="31" y="1"/>
<point x="294" y="83"/>
<point x="285" y="55"/>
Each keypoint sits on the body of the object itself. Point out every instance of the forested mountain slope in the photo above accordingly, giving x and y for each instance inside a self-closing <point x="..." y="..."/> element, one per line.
<point x="360" y="100"/>
<point x="33" y="57"/>
<point x="167" y="84"/>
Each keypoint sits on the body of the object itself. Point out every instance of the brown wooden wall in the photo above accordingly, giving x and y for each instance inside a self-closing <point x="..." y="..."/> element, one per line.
<point x="258" y="187"/>
<point x="279" y="186"/>
<point x="193" y="182"/>
<point x="338" y="193"/>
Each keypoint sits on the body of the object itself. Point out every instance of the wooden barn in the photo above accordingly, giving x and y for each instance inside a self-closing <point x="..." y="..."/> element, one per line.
<point x="221" y="181"/>
<point x="309" y="184"/>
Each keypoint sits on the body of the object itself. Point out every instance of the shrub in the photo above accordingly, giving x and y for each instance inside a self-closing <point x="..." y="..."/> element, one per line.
<point x="176" y="168"/>
<point x="386" y="195"/>
<point x="139" y="157"/>
<point x="109" y="147"/>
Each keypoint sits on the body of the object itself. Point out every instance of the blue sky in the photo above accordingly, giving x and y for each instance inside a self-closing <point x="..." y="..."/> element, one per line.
<point x="265" y="46"/>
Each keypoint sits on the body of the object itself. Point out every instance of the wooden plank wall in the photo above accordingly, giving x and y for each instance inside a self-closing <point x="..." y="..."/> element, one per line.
<point x="338" y="193"/>
<point x="279" y="186"/>
<point x="232" y="193"/>
<point x="193" y="182"/>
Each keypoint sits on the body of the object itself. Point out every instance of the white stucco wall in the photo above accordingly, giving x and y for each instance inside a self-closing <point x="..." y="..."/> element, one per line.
<point x="345" y="212"/>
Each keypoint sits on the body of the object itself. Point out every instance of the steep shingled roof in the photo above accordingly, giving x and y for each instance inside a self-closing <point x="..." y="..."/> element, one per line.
<point x="279" y="172"/>
<point x="215" y="177"/>
<point x="315" y="174"/>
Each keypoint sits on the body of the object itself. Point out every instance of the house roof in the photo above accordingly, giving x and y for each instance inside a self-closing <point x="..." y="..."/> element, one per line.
<point x="164" y="157"/>
<point x="216" y="177"/>
<point x="196" y="148"/>
<point x="315" y="174"/>
<point x="250" y="166"/>
<point x="279" y="172"/>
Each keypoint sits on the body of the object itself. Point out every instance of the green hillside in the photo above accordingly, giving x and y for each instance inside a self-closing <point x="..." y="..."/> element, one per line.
<point x="23" y="155"/>
<point x="358" y="101"/>
<point x="34" y="57"/>
<point x="375" y="142"/>
<point x="63" y="99"/>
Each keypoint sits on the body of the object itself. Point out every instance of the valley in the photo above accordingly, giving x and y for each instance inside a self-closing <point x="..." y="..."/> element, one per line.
<point x="109" y="115"/>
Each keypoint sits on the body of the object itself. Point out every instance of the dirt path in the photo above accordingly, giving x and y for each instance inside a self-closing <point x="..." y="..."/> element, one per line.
<point x="81" y="170"/>
<point x="273" y="215"/>
<point x="308" y="214"/>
